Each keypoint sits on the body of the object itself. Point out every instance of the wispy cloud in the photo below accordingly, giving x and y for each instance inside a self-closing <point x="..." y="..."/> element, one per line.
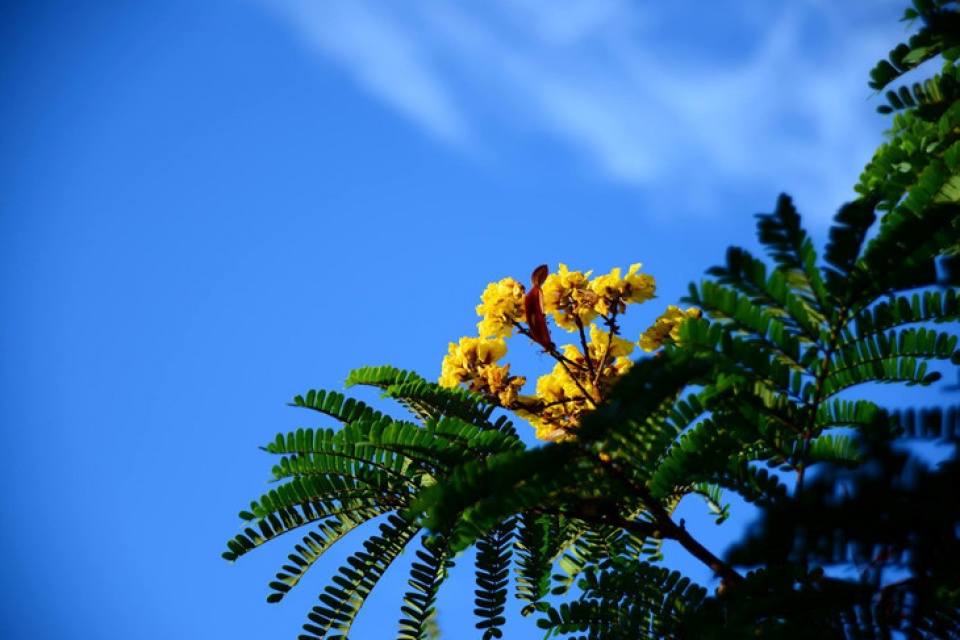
<point x="387" y="57"/>
<point x="649" y="97"/>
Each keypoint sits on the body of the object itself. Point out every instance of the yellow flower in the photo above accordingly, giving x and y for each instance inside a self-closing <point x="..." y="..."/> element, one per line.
<point x="639" y="286"/>
<point x="603" y="345"/>
<point x="567" y="296"/>
<point x="579" y="380"/>
<point x="572" y="353"/>
<point x="560" y="400"/>
<point x="489" y="351"/>
<point x="463" y="361"/>
<point x="499" y="383"/>
<point x="615" y="293"/>
<point x="622" y="365"/>
<point x="557" y="420"/>
<point x="550" y="387"/>
<point x="502" y="305"/>
<point x="450" y="375"/>
<point x="545" y="429"/>
<point x="667" y="325"/>
<point x="473" y="362"/>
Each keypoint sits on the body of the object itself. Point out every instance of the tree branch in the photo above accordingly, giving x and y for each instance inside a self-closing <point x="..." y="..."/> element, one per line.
<point x="672" y="530"/>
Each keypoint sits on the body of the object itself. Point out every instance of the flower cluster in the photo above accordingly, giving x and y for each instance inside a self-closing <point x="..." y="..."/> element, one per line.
<point x="575" y="300"/>
<point x="473" y="362"/>
<point x="567" y="295"/>
<point x="583" y="374"/>
<point x="666" y="326"/>
<point x="577" y="384"/>
<point x="501" y="309"/>
<point x="615" y="293"/>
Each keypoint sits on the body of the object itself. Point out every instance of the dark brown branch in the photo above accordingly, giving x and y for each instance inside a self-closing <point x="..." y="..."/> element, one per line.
<point x="586" y="349"/>
<point x="670" y="529"/>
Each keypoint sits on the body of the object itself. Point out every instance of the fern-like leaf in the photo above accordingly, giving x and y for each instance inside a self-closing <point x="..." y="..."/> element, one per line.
<point x="340" y="602"/>
<point x="846" y="239"/>
<point x="310" y="550"/>
<point x="789" y="245"/>
<point x="541" y="538"/>
<point x="426" y="575"/>
<point x="492" y="575"/>
<point x="637" y="601"/>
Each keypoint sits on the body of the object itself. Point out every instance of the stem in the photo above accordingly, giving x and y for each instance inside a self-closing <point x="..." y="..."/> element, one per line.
<point x="828" y="352"/>
<point x="612" y="329"/>
<point x="671" y="529"/>
<point x="586" y="351"/>
<point x="727" y="573"/>
<point x="564" y="362"/>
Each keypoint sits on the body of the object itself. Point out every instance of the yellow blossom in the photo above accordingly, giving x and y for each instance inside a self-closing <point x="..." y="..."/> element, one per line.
<point x="464" y="359"/>
<point x="622" y="365"/>
<point x="572" y="353"/>
<point x="502" y="306"/>
<point x="584" y="372"/>
<point x="545" y="429"/>
<point x="551" y="388"/>
<point x="667" y="325"/>
<point x="561" y="404"/>
<point x="567" y="296"/>
<point x="615" y="293"/>
<point x="604" y="344"/>
<point x="473" y="363"/>
<point x="500" y="383"/>
<point x="560" y="400"/>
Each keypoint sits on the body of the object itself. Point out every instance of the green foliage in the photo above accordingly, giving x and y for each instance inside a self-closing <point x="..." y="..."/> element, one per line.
<point x="493" y="570"/>
<point x="370" y="468"/>
<point x="634" y="601"/>
<point x="759" y="398"/>
<point x="426" y="574"/>
<point x="893" y="516"/>
<point x="918" y="167"/>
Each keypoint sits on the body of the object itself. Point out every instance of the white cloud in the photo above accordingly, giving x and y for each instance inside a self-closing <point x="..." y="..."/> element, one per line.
<point x="387" y="58"/>
<point x="647" y="96"/>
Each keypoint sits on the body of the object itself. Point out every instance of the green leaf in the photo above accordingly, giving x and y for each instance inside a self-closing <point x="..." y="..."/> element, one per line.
<point x="492" y="575"/>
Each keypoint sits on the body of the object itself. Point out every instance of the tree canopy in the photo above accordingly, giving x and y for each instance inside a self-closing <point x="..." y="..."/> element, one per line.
<point x="755" y="391"/>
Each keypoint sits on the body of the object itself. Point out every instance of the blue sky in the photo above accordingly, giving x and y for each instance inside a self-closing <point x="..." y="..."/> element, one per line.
<point x="209" y="207"/>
